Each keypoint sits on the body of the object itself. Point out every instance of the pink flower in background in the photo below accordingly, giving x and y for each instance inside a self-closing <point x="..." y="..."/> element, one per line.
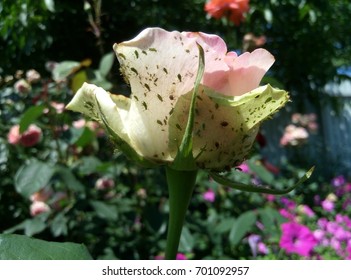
<point x="244" y="167"/>
<point x="262" y="248"/>
<point x="79" y="123"/>
<point x="31" y="136"/>
<point x="297" y="238"/>
<point x="338" y="181"/>
<point x="286" y="214"/>
<point x="14" y="136"/>
<point x="319" y="234"/>
<point x="104" y="183"/>
<point x="288" y="203"/>
<point x="22" y="86"/>
<point x="256" y="245"/>
<point x="328" y="205"/>
<point x="304" y="209"/>
<point x="179" y="256"/>
<point x="294" y="136"/>
<point x="32" y="76"/>
<point x="233" y="9"/>
<point x="28" y="138"/>
<point x="38" y="207"/>
<point x="59" y="107"/>
<point x="209" y="195"/>
<point x="270" y="197"/>
<point x="251" y="42"/>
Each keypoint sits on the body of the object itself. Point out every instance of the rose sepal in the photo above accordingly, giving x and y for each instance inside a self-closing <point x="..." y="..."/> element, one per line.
<point x="185" y="159"/>
<point x="223" y="180"/>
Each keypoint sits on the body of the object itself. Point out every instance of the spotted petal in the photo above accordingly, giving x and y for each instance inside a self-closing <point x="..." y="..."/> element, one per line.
<point x="225" y="127"/>
<point x="161" y="66"/>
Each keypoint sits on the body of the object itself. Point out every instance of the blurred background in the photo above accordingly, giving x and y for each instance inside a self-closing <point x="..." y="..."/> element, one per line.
<point x="60" y="183"/>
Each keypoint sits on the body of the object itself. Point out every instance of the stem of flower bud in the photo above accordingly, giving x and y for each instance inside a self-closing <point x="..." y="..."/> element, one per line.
<point x="180" y="186"/>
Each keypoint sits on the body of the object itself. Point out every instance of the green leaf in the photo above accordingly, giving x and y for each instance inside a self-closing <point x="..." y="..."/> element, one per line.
<point x="64" y="69"/>
<point x="187" y="241"/>
<point x="261" y="172"/>
<point x="270" y="218"/>
<point x="30" y="116"/>
<point x="50" y="5"/>
<point x="32" y="177"/>
<point x="18" y="247"/>
<point x="4" y="154"/>
<point x="88" y="165"/>
<point x="225" y="225"/>
<point x="104" y="210"/>
<point x="184" y="159"/>
<point x="34" y="226"/>
<point x="85" y="138"/>
<point x="106" y="64"/>
<point x="259" y="189"/>
<point x="241" y="226"/>
<point x="69" y="179"/>
<point x="30" y="226"/>
<point x="59" y="225"/>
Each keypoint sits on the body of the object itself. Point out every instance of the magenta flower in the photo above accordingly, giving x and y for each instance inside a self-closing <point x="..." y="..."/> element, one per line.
<point x="209" y="196"/>
<point x="328" y="205"/>
<point x="288" y="203"/>
<point x="180" y="256"/>
<point x="297" y="238"/>
<point x="338" y="181"/>
<point x="244" y="167"/>
<point x="286" y="214"/>
<point x="262" y="248"/>
<point x="305" y="209"/>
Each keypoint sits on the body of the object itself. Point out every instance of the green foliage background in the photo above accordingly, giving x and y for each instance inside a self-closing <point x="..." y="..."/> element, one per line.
<point x="310" y="40"/>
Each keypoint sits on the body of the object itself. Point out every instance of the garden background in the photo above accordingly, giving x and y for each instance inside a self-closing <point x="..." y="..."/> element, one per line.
<point x="61" y="179"/>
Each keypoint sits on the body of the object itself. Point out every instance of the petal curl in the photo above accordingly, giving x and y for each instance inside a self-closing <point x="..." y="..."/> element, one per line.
<point x="96" y="103"/>
<point x="247" y="71"/>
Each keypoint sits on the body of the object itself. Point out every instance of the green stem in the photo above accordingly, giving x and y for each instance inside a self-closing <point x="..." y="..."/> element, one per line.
<point x="180" y="186"/>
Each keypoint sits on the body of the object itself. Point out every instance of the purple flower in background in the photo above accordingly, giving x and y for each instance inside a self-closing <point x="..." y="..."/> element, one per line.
<point x="209" y="195"/>
<point x="338" y="181"/>
<point x="319" y="234"/>
<point x="348" y="249"/>
<point x="322" y="223"/>
<point x="256" y="245"/>
<point x="328" y="205"/>
<point x="286" y="214"/>
<point x="306" y="210"/>
<point x="297" y="238"/>
<point x="262" y="248"/>
<point x="253" y="240"/>
<point x="288" y="203"/>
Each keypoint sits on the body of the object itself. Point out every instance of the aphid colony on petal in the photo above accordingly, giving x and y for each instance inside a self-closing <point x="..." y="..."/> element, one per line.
<point x="161" y="68"/>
